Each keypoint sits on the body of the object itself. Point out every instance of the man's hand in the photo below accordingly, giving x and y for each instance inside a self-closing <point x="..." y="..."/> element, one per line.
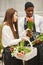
<point x="28" y="32"/>
<point x="36" y="41"/>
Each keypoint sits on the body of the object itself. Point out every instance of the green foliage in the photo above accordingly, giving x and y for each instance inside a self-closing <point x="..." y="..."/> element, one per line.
<point x="26" y="50"/>
<point x="33" y="43"/>
<point x="30" y="25"/>
<point x="1" y="47"/>
<point x="40" y="37"/>
<point x="22" y="43"/>
<point x="21" y="47"/>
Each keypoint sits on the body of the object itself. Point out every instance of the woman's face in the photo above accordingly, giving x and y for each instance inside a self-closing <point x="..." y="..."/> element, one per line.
<point x="15" y="17"/>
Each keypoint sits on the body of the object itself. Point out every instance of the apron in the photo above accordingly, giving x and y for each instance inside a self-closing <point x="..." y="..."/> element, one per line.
<point x="8" y="59"/>
<point x="38" y="60"/>
<point x="34" y="60"/>
<point x="34" y="29"/>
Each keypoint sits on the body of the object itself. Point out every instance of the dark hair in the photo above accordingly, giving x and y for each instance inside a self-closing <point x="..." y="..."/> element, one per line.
<point x="8" y="19"/>
<point x="28" y="4"/>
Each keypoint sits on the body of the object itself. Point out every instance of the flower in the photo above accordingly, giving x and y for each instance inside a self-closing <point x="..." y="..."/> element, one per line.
<point x="30" y="23"/>
<point x="20" y="50"/>
<point x="30" y="19"/>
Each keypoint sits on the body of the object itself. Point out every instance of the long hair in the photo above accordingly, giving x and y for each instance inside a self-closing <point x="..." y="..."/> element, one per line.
<point x="8" y="19"/>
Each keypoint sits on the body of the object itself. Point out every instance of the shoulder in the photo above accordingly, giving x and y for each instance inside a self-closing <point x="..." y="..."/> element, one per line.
<point x="21" y="20"/>
<point x="38" y="19"/>
<point x="38" y="16"/>
<point x="5" y="27"/>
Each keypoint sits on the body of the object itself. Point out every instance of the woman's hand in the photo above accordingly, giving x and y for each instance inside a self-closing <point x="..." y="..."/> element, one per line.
<point x="25" y="38"/>
<point x="11" y="48"/>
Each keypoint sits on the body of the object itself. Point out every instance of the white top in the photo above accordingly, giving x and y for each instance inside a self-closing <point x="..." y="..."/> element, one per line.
<point x="38" y="19"/>
<point x="8" y="38"/>
<point x="21" y="30"/>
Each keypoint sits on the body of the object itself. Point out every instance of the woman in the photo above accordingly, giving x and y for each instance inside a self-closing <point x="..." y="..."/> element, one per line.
<point x="10" y="36"/>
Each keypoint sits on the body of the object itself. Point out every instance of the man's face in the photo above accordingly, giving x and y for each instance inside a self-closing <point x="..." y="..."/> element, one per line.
<point x="29" y="11"/>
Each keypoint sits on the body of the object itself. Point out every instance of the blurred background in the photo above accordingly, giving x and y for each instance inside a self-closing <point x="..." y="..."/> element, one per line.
<point x="19" y="6"/>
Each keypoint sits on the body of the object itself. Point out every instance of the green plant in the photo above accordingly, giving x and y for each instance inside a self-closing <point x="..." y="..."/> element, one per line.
<point x="40" y="37"/>
<point x="1" y="47"/>
<point x="30" y="25"/>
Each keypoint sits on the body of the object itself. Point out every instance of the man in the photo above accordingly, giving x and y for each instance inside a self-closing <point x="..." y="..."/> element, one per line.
<point x="22" y="24"/>
<point x="22" y="27"/>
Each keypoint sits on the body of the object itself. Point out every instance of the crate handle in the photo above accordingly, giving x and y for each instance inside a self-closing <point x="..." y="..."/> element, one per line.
<point x="29" y="42"/>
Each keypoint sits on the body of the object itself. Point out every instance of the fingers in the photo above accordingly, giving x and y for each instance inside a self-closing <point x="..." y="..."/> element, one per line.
<point x="25" y="38"/>
<point x="11" y="48"/>
<point x="27" y="29"/>
<point x="29" y="33"/>
<point x="36" y="41"/>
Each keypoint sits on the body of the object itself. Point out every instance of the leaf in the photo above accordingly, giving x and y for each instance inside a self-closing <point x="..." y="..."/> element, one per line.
<point x="40" y="37"/>
<point x="30" y="25"/>
<point x="22" y="43"/>
<point x="26" y="50"/>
